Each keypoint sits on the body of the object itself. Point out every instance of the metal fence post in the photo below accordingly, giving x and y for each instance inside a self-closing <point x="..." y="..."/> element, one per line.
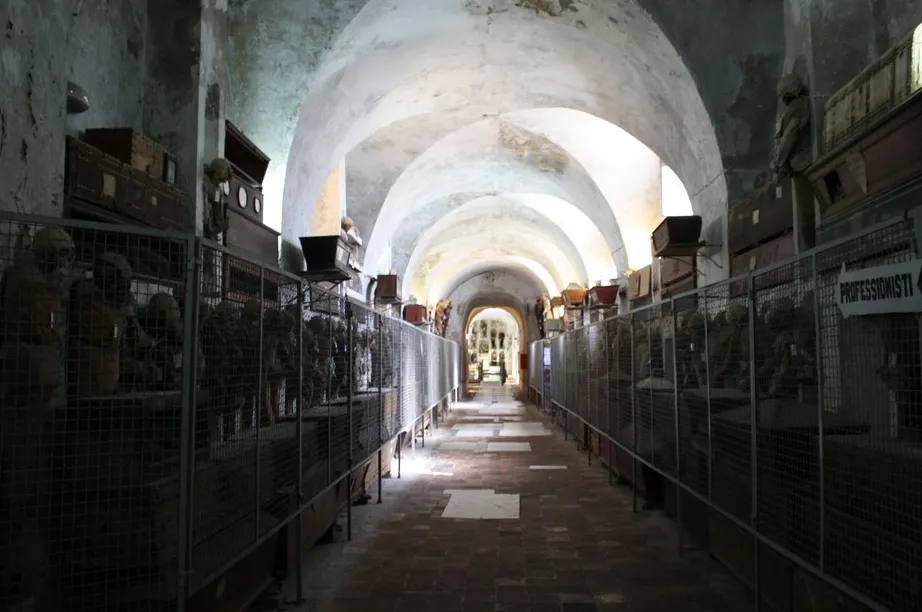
<point x="707" y="392"/>
<point x="350" y="374"/>
<point x="259" y="395"/>
<point x="678" y="431"/>
<point x="753" y="441"/>
<point x="299" y="411"/>
<point x="820" y="417"/>
<point x="633" y="422"/>
<point x="380" y="352"/>
<point x="187" y="425"/>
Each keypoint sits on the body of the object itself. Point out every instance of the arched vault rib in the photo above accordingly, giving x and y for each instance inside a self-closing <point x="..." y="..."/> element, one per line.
<point x="502" y="62"/>
<point x="537" y="275"/>
<point x="624" y="171"/>
<point x="530" y="217"/>
<point x="490" y="157"/>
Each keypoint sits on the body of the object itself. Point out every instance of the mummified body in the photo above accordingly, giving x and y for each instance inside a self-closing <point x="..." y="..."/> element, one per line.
<point x="99" y="315"/>
<point x="31" y="297"/>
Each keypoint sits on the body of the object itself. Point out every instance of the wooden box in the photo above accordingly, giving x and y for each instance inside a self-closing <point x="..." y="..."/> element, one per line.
<point x="241" y="281"/>
<point x="884" y="156"/>
<point x="386" y="288"/>
<point x="674" y="270"/>
<point x="639" y="283"/>
<point x="250" y="165"/>
<point x="168" y="207"/>
<point x="414" y="313"/>
<point x="764" y="216"/>
<point x="762" y="256"/>
<point x="129" y="147"/>
<point x="876" y="91"/>
<point x="251" y="237"/>
<point x="94" y="178"/>
<point x="603" y="295"/>
<point x="245" y="198"/>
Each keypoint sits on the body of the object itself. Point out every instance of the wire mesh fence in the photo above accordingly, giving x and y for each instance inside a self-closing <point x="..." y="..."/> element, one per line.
<point x="799" y="427"/>
<point x="170" y="407"/>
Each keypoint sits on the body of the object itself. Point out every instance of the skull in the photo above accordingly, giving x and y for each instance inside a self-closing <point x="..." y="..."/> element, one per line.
<point x="112" y="275"/>
<point x="219" y="170"/>
<point x="53" y="248"/>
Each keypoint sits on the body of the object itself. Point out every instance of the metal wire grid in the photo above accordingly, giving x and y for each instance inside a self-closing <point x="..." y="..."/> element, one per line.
<point x="92" y="405"/>
<point x="761" y="367"/>
<point x="872" y="478"/>
<point x="111" y="413"/>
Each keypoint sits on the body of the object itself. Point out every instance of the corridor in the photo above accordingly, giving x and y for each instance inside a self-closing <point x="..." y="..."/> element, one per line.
<point x="498" y="512"/>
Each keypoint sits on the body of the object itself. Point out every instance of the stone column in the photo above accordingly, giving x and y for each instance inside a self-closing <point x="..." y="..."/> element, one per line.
<point x="186" y="89"/>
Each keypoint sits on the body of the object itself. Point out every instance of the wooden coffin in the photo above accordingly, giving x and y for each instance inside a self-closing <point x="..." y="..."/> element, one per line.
<point x="673" y="270"/>
<point x="115" y="188"/>
<point x="763" y="217"/>
<point x="251" y="237"/>
<point x="876" y="91"/>
<point x="603" y="295"/>
<point x="129" y="147"/>
<point x="574" y="298"/>
<point x="386" y="288"/>
<point x="885" y="156"/>
<point x="250" y="166"/>
<point x="414" y="313"/>
<point x="762" y="256"/>
<point x="640" y="283"/>
<point x="241" y="281"/>
<point x="245" y="199"/>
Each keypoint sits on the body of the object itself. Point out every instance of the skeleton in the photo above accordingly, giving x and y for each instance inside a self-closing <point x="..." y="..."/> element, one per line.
<point x="278" y="347"/>
<point x="540" y="316"/>
<point x="162" y="320"/>
<point x="31" y="296"/>
<point x="442" y="315"/>
<point x="792" y="137"/>
<point x="217" y="173"/>
<point x="99" y="317"/>
<point x="222" y="345"/>
<point x="731" y="348"/>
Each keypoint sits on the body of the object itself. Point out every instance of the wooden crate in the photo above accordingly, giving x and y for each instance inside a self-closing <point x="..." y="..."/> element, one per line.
<point x="246" y="199"/>
<point x="387" y="287"/>
<point x="877" y="90"/>
<point x="115" y="188"/>
<point x="674" y="270"/>
<point x="762" y="256"/>
<point x="129" y="147"/>
<point x="241" y="282"/>
<point x="249" y="236"/>
<point x="763" y="217"/>
<point x="640" y="283"/>
<point x="883" y="158"/>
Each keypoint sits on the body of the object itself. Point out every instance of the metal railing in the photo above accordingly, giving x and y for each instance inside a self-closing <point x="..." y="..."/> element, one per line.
<point x="799" y="431"/>
<point x="169" y="407"/>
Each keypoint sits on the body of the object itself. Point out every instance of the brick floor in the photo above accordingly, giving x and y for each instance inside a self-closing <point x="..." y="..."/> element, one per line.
<point x="576" y="546"/>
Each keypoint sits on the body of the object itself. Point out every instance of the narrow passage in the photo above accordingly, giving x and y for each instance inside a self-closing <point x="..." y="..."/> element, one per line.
<point x="499" y="513"/>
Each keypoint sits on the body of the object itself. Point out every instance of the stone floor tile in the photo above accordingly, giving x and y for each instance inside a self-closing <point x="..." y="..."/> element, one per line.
<point x="574" y="547"/>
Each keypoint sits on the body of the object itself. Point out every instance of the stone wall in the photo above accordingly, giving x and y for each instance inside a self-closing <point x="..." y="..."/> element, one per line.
<point x="99" y="45"/>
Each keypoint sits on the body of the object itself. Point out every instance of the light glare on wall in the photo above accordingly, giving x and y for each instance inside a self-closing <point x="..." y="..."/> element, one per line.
<point x="674" y="199"/>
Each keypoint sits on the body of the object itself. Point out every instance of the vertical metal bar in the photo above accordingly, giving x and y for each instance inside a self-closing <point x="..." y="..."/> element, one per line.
<point x="350" y="383"/>
<point x="633" y="424"/>
<point x="328" y="398"/>
<point x="399" y="445"/>
<point x="299" y="412"/>
<point x="820" y="414"/>
<point x="679" y="491"/>
<point x="380" y="406"/>
<point x="259" y="396"/>
<point x="753" y="441"/>
<point x="707" y="394"/>
<point x="187" y="424"/>
<point x="422" y="427"/>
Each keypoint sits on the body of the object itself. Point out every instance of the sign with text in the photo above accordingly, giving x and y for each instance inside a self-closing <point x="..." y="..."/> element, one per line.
<point x="886" y="289"/>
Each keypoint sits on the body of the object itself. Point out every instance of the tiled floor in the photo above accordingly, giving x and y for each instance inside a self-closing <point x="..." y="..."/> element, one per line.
<point x="552" y="535"/>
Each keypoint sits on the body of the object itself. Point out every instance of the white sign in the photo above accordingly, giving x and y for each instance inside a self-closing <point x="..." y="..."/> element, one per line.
<point x="881" y="290"/>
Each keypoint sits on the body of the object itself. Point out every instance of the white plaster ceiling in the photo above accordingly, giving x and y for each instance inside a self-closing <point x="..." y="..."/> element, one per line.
<point x="544" y="219"/>
<point x="530" y="272"/>
<point x="510" y="100"/>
